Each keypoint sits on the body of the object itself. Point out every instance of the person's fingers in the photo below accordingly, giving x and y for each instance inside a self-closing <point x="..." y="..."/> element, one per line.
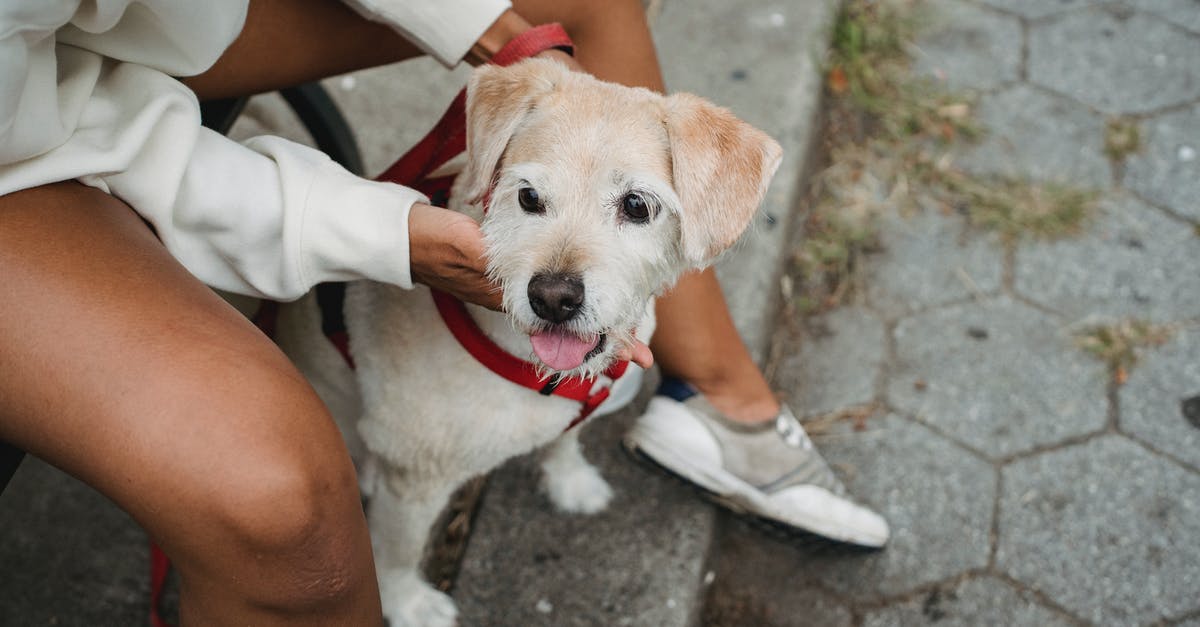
<point x="642" y="356"/>
<point x="479" y="292"/>
<point x="638" y="353"/>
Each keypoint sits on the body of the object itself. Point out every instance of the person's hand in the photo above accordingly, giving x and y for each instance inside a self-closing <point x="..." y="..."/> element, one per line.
<point x="446" y="253"/>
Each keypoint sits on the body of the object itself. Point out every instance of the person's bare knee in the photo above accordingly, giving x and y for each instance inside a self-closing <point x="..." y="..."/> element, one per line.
<point x="285" y="513"/>
<point x="299" y="522"/>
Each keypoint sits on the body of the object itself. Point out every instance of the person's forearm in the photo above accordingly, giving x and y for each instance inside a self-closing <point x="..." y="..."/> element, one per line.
<point x="289" y="42"/>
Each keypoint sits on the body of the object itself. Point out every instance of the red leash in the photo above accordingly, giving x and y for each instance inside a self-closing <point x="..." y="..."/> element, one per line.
<point x="447" y="140"/>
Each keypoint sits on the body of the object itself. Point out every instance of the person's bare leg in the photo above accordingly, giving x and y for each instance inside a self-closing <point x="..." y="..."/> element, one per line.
<point x="123" y="370"/>
<point x="696" y="339"/>
<point x="698" y="342"/>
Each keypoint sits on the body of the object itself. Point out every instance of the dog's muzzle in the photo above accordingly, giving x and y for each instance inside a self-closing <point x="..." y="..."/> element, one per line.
<point x="556" y="298"/>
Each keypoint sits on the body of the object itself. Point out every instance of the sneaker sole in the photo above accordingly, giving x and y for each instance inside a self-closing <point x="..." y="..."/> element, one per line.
<point x="732" y="501"/>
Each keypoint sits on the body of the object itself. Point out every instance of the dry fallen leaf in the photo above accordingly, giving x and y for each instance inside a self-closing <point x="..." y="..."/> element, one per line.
<point x="838" y="84"/>
<point x="956" y="111"/>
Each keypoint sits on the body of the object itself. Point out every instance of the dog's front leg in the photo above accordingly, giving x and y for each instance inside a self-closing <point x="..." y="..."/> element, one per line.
<point x="573" y="484"/>
<point x="400" y="514"/>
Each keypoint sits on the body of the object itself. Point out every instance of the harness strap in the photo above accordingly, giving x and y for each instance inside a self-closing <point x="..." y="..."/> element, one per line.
<point x="449" y="136"/>
<point x="160" y="565"/>
<point x="485" y="351"/>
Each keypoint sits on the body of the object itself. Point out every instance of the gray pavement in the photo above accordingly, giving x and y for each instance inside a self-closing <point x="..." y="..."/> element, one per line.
<point x="1024" y="487"/>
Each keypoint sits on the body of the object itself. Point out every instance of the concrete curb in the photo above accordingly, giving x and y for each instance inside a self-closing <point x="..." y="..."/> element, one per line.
<point x="642" y="562"/>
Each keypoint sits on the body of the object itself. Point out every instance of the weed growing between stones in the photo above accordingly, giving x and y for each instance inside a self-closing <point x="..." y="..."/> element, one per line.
<point x="1120" y="345"/>
<point x="889" y="138"/>
<point x="1121" y="138"/>
<point x="1014" y="207"/>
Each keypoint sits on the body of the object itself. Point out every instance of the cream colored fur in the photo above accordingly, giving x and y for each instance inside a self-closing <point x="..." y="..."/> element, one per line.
<point x="420" y="414"/>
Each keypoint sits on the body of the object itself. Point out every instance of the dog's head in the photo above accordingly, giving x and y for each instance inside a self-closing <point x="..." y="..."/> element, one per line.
<point x="598" y="196"/>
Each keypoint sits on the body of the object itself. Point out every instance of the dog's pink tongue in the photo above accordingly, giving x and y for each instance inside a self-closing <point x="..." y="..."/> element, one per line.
<point x="562" y="351"/>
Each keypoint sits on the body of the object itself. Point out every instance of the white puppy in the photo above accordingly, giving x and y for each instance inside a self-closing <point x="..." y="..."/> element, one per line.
<point x="598" y="197"/>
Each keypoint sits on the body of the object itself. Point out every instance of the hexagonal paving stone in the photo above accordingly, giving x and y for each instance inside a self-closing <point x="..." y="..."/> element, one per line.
<point x="998" y="375"/>
<point x="1185" y="13"/>
<point x="1116" y="63"/>
<point x="1167" y="169"/>
<point x="1106" y="529"/>
<point x="1152" y="402"/>
<point x="836" y="363"/>
<point x="758" y="581"/>
<point x="966" y="46"/>
<point x="1131" y="261"/>
<point x="982" y="601"/>
<point x="929" y="259"/>
<point x="1039" y="8"/>
<point x="1035" y="135"/>
<point x="937" y="497"/>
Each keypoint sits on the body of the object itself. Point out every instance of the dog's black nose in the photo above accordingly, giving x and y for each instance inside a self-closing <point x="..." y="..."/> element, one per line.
<point x="555" y="297"/>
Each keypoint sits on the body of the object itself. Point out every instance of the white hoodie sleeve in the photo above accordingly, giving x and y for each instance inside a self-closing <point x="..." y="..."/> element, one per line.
<point x="443" y="29"/>
<point x="269" y="218"/>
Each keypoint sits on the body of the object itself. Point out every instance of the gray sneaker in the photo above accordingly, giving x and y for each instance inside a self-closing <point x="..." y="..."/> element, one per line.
<point x="771" y="470"/>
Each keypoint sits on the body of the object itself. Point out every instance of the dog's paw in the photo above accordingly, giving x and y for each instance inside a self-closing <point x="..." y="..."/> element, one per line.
<point x="577" y="490"/>
<point x="410" y="602"/>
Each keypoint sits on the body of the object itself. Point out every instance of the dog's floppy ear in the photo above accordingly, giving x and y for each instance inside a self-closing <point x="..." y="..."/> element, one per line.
<point x="497" y="100"/>
<point x="721" y="168"/>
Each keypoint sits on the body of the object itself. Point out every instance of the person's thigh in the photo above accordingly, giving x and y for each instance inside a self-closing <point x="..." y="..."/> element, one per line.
<point x="119" y="367"/>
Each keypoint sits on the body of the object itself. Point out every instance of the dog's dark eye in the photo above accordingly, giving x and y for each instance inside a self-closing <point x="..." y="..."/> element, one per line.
<point x="528" y="197"/>
<point x="635" y="208"/>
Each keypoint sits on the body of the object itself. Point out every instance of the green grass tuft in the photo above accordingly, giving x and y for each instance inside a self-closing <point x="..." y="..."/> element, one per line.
<point x="1120" y="345"/>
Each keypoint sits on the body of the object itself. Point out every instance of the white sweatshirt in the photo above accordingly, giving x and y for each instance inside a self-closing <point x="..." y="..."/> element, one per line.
<point x="86" y="93"/>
